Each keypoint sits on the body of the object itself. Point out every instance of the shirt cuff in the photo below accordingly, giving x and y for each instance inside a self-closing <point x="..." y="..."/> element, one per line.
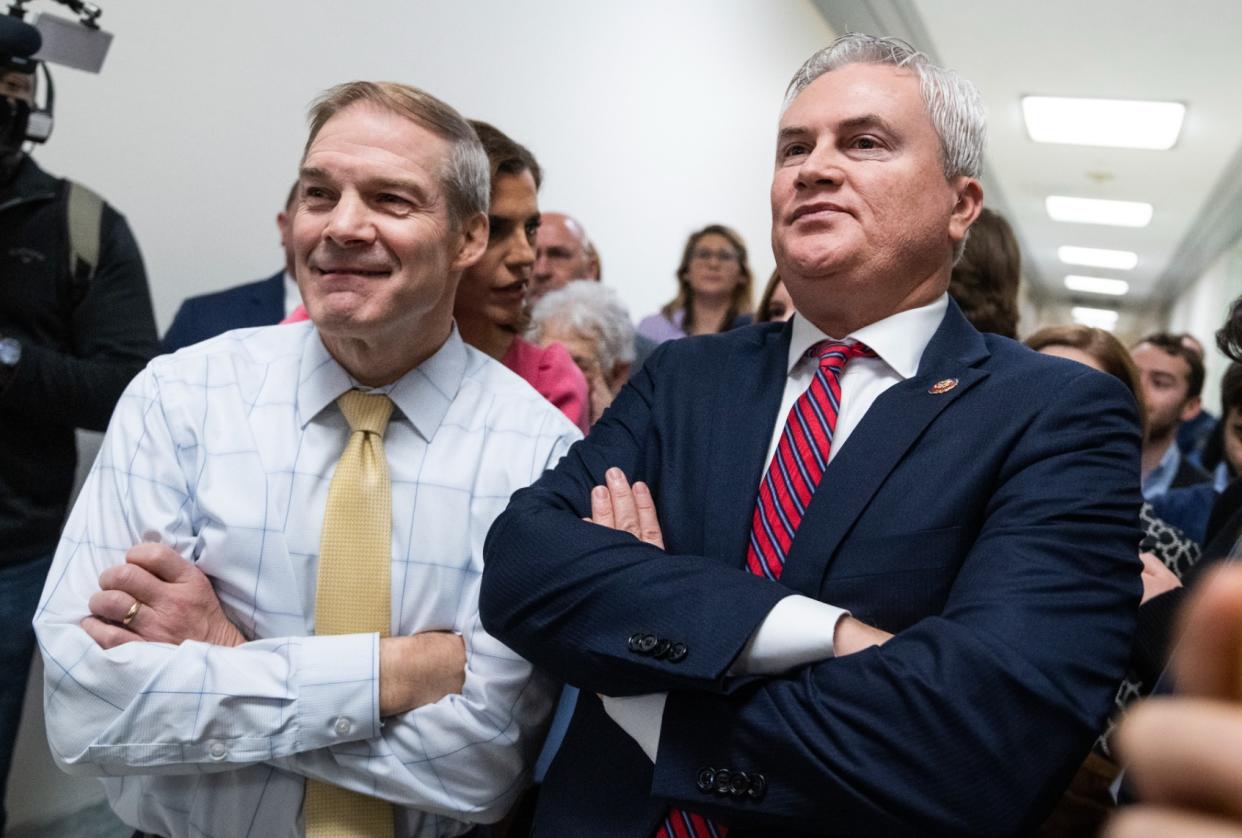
<point x="797" y="631"/>
<point x="641" y="716"/>
<point x="337" y="680"/>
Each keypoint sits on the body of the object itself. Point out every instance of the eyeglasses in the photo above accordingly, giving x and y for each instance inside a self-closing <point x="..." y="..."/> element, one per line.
<point x="705" y="255"/>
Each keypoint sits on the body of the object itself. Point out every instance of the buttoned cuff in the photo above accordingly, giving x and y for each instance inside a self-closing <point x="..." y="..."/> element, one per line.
<point x="797" y="631"/>
<point x="337" y="685"/>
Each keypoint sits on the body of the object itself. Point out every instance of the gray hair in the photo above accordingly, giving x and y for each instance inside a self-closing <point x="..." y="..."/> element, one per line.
<point x="466" y="176"/>
<point x="590" y="309"/>
<point x="953" y="103"/>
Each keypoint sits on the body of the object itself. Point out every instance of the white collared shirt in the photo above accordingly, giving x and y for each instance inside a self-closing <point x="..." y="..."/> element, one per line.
<point x="799" y="630"/>
<point x="898" y="341"/>
<point x="226" y="450"/>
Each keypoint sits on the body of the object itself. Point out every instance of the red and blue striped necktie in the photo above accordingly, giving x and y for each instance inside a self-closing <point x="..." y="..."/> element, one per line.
<point x="784" y="495"/>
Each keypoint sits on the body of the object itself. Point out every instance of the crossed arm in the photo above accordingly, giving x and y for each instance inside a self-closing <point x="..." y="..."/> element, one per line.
<point x="619" y="506"/>
<point x="773" y="649"/>
<point x="159" y="597"/>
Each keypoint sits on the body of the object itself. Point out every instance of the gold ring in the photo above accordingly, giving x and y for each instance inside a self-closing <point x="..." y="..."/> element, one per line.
<point x="131" y="613"/>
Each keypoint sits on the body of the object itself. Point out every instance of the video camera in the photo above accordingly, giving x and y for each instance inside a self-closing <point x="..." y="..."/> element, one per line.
<point x="27" y="47"/>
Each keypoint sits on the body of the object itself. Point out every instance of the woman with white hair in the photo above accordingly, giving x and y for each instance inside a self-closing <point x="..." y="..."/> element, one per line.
<point x="589" y="320"/>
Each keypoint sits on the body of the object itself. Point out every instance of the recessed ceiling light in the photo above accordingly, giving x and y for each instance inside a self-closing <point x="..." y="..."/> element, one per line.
<point x="1096" y="257"/>
<point x="1097" y="285"/>
<point x="1119" y="123"/>
<point x="1098" y="211"/>
<point x="1099" y="318"/>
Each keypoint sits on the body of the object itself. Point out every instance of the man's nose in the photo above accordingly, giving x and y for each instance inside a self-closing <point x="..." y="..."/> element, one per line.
<point x="822" y="167"/>
<point x="350" y="222"/>
<point x="543" y="266"/>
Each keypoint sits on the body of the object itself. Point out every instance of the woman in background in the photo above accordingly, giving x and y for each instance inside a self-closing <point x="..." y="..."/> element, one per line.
<point x="490" y="308"/>
<point x="713" y="288"/>
<point x="775" y="306"/>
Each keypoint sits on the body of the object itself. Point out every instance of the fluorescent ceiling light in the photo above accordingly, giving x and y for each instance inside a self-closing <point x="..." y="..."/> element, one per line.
<point x="1097" y="285"/>
<point x="1097" y="211"/>
<point x="1096" y="257"/>
<point x="1099" y="318"/>
<point x="1119" y="123"/>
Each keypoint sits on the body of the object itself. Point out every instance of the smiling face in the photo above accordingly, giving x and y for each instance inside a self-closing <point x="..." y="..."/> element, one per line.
<point x="494" y="289"/>
<point x="862" y="216"/>
<point x="376" y="255"/>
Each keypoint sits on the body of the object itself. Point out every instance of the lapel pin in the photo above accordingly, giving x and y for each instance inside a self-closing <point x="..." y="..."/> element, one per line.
<point x="944" y="385"/>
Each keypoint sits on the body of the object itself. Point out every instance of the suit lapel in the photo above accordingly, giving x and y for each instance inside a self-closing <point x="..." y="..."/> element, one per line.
<point x="741" y="422"/>
<point x="890" y="428"/>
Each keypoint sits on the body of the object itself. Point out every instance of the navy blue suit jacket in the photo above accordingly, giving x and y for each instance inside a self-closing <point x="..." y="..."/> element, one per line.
<point x="259" y="303"/>
<point x="992" y="527"/>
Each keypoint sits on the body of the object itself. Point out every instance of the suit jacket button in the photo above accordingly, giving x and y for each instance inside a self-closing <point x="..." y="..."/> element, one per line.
<point x="647" y="642"/>
<point x="634" y="641"/>
<point x="707" y="779"/>
<point x="740" y="784"/>
<point x="677" y="653"/>
<point x="661" y="649"/>
<point x="758" y="785"/>
<point x="723" y="777"/>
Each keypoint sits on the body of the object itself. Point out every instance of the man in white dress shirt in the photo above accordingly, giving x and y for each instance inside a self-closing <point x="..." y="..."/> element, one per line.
<point x="188" y="672"/>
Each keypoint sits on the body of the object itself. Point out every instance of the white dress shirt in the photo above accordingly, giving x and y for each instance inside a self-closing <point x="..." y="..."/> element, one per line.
<point x="799" y="630"/>
<point x="225" y="450"/>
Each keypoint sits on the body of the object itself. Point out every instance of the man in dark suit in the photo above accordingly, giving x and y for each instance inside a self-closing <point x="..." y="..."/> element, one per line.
<point x="886" y="588"/>
<point x="260" y="303"/>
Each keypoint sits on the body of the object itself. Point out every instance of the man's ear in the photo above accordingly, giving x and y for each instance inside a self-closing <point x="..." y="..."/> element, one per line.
<point x="283" y="220"/>
<point x="1192" y="408"/>
<point x="473" y="242"/>
<point x="969" y="204"/>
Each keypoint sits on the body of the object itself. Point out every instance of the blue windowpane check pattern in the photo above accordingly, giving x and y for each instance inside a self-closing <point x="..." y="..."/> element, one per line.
<point x="225" y="450"/>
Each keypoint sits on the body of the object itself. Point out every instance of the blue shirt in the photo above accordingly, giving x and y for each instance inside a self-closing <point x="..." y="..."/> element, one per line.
<point x="1157" y="481"/>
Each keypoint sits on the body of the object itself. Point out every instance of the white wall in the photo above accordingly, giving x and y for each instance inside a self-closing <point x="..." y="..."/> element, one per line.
<point x="650" y="119"/>
<point x="1201" y="310"/>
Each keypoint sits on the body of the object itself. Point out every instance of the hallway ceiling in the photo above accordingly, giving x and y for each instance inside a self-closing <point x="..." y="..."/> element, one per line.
<point x="1109" y="49"/>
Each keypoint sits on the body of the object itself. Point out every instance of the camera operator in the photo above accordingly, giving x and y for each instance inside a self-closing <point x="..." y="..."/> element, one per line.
<point x="75" y="326"/>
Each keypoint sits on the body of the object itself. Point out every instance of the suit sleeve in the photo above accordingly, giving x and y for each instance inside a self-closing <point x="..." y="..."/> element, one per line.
<point x="571" y="596"/>
<point x="970" y="722"/>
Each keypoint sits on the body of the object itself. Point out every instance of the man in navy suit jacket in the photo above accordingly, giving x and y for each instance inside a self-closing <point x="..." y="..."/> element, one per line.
<point x="260" y="303"/>
<point x="955" y="612"/>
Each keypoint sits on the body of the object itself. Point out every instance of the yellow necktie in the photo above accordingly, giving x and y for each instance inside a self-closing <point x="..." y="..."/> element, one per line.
<point x="354" y="589"/>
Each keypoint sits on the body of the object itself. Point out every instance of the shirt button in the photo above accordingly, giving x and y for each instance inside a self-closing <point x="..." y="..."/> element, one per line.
<point x="342" y="726"/>
<point x="217" y="750"/>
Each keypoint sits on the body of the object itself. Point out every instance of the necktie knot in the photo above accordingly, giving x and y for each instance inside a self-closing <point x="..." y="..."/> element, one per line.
<point x="833" y="355"/>
<point x="367" y="412"/>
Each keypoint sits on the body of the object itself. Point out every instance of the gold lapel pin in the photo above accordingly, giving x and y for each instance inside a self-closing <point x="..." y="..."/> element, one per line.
<point x="942" y="386"/>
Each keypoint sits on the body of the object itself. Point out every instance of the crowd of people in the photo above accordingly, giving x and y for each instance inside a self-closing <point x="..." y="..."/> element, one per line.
<point x="850" y="560"/>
